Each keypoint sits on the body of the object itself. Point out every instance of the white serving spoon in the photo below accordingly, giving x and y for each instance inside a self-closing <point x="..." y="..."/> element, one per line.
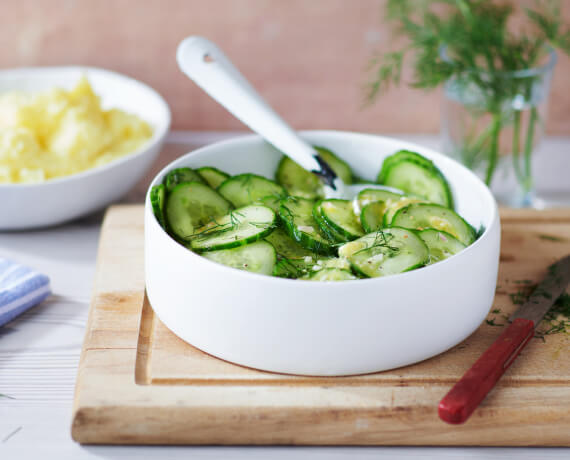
<point x="204" y="63"/>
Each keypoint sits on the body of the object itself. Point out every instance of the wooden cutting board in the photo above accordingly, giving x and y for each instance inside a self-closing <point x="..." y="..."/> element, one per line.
<point x="139" y="384"/>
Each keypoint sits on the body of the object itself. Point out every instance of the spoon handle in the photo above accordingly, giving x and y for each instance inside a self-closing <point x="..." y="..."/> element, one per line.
<point x="204" y="63"/>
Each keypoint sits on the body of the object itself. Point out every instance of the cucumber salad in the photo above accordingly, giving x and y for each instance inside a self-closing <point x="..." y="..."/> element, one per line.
<point x="286" y="228"/>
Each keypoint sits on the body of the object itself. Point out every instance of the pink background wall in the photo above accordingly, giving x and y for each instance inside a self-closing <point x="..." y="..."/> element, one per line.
<point x="307" y="57"/>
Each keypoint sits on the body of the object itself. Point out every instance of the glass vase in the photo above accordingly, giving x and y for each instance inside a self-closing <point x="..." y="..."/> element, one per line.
<point x="492" y="123"/>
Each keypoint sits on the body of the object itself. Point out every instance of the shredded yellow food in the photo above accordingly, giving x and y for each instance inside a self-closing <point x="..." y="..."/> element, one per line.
<point x="57" y="132"/>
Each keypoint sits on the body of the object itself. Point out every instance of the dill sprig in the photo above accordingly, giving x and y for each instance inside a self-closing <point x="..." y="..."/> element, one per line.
<point x="381" y="242"/>
<point x="470" y="41"/>
<point x="491" y="322"/>
<point x="215" y="228"/>
<point x="476" y="38"/>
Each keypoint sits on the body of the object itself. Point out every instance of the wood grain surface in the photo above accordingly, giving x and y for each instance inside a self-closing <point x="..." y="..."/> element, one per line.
<point x="308" y="58"/>
<point x="138" y="383"/>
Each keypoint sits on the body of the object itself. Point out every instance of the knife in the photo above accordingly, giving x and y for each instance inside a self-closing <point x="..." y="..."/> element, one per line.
<point x="465" y="396"/>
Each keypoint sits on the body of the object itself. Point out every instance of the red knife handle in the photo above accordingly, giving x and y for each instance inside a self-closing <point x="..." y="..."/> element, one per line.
<point x="465" y="396"/>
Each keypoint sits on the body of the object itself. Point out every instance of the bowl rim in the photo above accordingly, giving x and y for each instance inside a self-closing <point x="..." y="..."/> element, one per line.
<point x="196" y="258"/>
<point x="159" y="134"/>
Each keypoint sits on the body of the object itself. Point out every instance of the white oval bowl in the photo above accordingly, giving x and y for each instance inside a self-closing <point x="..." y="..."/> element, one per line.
<point x="61" y="199"/>
<point x="324" y="328"/>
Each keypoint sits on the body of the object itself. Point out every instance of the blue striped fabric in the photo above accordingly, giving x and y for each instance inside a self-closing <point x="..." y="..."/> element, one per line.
<point x="20" y="289"/>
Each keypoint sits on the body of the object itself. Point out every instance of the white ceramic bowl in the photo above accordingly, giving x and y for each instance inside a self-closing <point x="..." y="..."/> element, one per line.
<point x="324" y="328"/>
<point x="62" y="199"/>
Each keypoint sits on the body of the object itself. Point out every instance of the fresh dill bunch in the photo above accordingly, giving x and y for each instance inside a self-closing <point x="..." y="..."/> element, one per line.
<point x="472" y="44"/>
<point x="466" y="38"/>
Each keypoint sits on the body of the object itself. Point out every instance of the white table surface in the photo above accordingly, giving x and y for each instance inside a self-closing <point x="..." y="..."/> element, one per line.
<point x="39" y="352"/>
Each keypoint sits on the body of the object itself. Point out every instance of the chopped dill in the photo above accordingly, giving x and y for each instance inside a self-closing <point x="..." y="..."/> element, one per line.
<point x="519" y="297"/>
<point x="550" y="238"/>
<point x="496" y="311"/>
<point x="491" y="322"/>
<point x="557" y="319"/>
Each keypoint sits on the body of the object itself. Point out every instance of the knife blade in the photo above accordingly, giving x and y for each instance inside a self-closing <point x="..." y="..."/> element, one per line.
<point x="546" y="293"/>
<point x="471" y="389"/>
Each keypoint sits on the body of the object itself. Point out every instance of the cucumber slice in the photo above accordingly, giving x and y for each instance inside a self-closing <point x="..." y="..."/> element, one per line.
<point x="300" y="182"/>
<point x="299" y="267"/>
<point x="213" y="176"/>
<point x="329" y="231"/>
<point x="372" y="216"/>
<point x="296" y="213"/>
<point x="286" y="247"/>
<point x="179" y="176"/>
<point x="416" y="175"/>
<point x="296" y="261"/>
<point x="245" y="189"/>
<point x="191" y="205"/>
<point x="258" y="257"/>
<point x="157" y="199"/>
<point x="403" y="155"/>
<point x="441" y="245"/>
<point x="370" y="195"/>
<point x="340" y="167"/>
<point x="289" y="268"/>
<point x="395" y="206"/>
<point x="240" y="227"/>
<point x="271" y="201"/>
<point x="420" y="216"/>
<point x="331" y="274"/>
<point x="339" y="215"/>
<point x="386" y="252"/>
<point x="334" y="262"/>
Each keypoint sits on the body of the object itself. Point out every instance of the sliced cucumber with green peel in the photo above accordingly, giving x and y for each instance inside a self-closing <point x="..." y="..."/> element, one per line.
<point x="296" y="261"/>
<point x="191" y="205"/>
<point x="271" y="201"/>
<point x="339" y="215"/>
<point x="300" y="182"/>
<point x="179" y="176"/>
<point x="157" y="201"/>
<point x="245" y="189"/>
<point x="296" y="213"/>
<point x="416" y="175"/>
<point x="289" y="268"/>
<point x="331" y="274"/>
<point x="213" y="176"/>
<point x="258" y="257"/>
<point x="340" y="167"/>
<point x="286" y="246"/>
<point x="370" y="195"/>
<point x="393" y="207"/>
<point x="334" y="262"/>
<point x="329" y="231"/>
<point x="400" y="155"/>
<point x="420" y="216"/>
<point x="386" y="252"/>
<point x="240" y="227"/>
<point x="305" y="266"/>
<point x="288" y="229"/>
<point x="372" y="216"/>
<point x="441" y="244"/>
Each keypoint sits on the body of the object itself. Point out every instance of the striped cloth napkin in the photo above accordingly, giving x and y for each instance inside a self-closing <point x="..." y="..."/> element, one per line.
<point x="20" y="289"/>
